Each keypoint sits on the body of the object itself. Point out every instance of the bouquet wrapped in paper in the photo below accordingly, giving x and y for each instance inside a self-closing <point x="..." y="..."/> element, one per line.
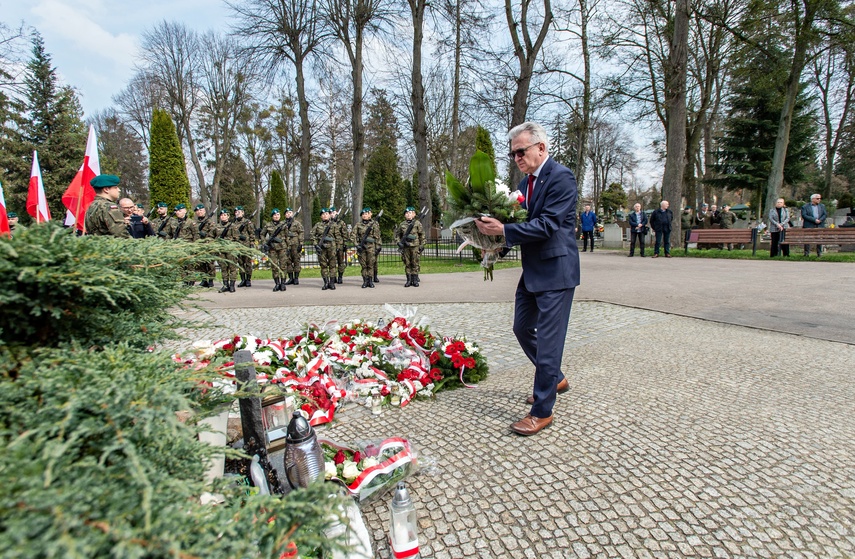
<point x="478" y="198"/>
<point x="371" y="470"/>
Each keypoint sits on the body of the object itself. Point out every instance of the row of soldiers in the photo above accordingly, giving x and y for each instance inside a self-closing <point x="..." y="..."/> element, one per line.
<point x="282" y="240"/>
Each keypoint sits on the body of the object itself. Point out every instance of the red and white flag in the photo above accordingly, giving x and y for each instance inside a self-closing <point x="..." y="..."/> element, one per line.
<point x="4" y="218"/>
<point x="36" y="199"/>
<point x="79" y="194"/>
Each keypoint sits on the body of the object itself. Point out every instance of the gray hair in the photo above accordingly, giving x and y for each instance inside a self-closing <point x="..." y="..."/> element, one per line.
<point x="536" y="132"/>
<point x="812" y="196"/>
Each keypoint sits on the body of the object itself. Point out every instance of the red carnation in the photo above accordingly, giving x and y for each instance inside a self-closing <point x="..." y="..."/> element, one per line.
<point x="352" y="332"/>
<point x="345" y="339"/>
<point x="434" y="358"/>
<point x="339" y="457"/>
<point x="469" y="363"/>
<point x="459" y="346"/>
<point x="228" y="347"/>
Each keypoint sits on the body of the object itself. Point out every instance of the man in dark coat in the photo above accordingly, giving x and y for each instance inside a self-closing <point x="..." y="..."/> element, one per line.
<point x="660" y="221"/>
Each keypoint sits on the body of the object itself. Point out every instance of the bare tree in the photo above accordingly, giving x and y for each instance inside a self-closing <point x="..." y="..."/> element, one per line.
<point x="528" y="28"/>
<point x="171" y="53"/>
<point x="280" y="32"/>
<point x="137" y="101"/>
<point x="610" y="156"/>
<point x="417" y="102"/>
<point x="351" y="20"/>
<point x="226" y="78"/>
<point x="255" y="142"/>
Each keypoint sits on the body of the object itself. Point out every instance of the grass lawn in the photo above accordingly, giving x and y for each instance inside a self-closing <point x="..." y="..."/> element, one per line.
<point x="428" y="266"/>
<point x="795" y="255"/>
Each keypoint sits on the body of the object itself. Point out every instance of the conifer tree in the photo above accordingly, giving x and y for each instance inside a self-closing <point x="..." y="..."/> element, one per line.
<point x="168" y="181"/>
<point x="276" y="196"/>
<point x="236" y="185"/>
<point x="384" y="188"/>
<point x="484" y="143"/>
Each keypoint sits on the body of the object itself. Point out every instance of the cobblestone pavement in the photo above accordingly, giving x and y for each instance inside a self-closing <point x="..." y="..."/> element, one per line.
<point x="679" y="438"/>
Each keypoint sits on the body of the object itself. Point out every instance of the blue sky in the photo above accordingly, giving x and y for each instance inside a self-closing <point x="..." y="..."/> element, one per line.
<point x="94" y="43"/>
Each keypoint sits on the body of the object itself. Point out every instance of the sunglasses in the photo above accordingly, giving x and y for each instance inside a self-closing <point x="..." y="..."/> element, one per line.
<point x="521" y="152"/>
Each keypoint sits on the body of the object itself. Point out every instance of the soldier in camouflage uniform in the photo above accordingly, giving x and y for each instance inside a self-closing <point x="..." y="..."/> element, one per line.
<point x="207" y="230"/>
<point x="366" y="237"/>
<point x="14" y="226"/>
<point x="341" y="250"/>
<point x="273" y="235"/>
<point x="295" y="246"/>
<point x="228" y="231"/>
<point x="179" y="227"/>
<point x="410" y="236"/>
<point x="161" y="222"/>
<point x="246" y="237"/>
<point x="104" y="216"/>
<point x="325" y="237"/>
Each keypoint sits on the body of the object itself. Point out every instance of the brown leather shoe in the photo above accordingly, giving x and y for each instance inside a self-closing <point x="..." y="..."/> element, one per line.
<point x="529" y="425"/>
<point x="561" y="388"/>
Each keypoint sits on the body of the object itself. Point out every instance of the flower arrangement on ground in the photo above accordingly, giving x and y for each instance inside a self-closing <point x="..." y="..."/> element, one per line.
<point x="479" y="197"/>
<point x="324" y="367"/>
<point x="371" y="470"/>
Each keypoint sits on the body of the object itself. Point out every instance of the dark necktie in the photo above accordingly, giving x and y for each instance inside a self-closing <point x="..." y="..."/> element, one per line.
<point x="530" y="190"/>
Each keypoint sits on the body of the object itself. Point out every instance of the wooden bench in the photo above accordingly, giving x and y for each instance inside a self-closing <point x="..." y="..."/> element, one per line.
<point x="724" y="236"/>
<point x="824" y="236"/>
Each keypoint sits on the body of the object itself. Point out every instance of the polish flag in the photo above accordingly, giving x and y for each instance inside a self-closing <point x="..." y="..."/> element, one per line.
<point x="4" y="219"/>
<point x="79" y="194"/>
<point x="36" y="200"/>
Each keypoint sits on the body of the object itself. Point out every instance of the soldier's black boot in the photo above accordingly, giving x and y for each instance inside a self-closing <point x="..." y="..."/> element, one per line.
<point x="296" y="278"/>
<point x="365" y="281"/>
<point x="278" y="284"/>
<point x="249" y="280"/>
<point x="282" y="284"/>
<point x="290" y="279"/>
<point x="409" y="281"/>
<point x="415" y="280"/>
<point x="225" y="287"/>
<point x="242" y="280"/>
<point x="189" y="283"/>
<point x="326" y="284"/>
<point x="332" y="282"/>
<point x="375" y="279"/>
<point x="339" y="279"/>
<point x="370" y="283"/>
<point x="232" y="286"/>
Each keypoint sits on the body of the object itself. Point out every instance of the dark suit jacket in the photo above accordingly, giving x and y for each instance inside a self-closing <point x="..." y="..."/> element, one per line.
<point x="550" y="258"/>
<point x="808" y="221"/>
<point x="633" y="220"/>
<point x="660" y="220"/>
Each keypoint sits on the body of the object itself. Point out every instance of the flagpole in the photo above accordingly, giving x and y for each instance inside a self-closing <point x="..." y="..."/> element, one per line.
<point x="79" y="203"/>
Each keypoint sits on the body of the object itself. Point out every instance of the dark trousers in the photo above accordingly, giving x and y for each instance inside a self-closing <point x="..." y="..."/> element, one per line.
<point x="586" y="236"/>
<point x="777" y="246"/>
<point x="662" y="237"/>
<point x="540" y="325"/>
<point x="633" y="236"/>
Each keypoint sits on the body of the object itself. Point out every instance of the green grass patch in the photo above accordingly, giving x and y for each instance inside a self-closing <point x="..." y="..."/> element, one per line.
<point x="745" y="254"/>
<point x="428" y="266"/>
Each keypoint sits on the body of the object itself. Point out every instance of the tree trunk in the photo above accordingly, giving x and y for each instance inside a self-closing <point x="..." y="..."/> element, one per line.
<point x="197" y="165"/>
<point x="358" y="129"/>
<point x="305" y="147"/>
<point x="804" y="36"/>
<point x="675" y="159"/>
<point x="455" y="104"/>
<point x="582" y="156"/>
<point x="417" y="99"/>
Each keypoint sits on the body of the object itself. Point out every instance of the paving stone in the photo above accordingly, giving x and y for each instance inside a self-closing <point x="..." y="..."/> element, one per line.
<point x="716" y="442"/>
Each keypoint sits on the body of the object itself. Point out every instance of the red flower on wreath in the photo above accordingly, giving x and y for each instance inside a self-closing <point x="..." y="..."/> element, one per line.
<point x="357" y="457"/>
<point x="435" y="357"/>
<point x="345" y="339"/>
<point x="339" y="457"/>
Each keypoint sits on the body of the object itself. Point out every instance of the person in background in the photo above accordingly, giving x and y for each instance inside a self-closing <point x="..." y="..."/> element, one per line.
<point x="813" y="217"/>
<point x="588" y="222"/>
<point x="140" y="226"/>
<point x="160" y="224"/>
<point x="660" y="221"/>
<point x="104" y="217"/>
<point x="13" y="223"/>
<point x="638" y="228"/>
<point x="727" y="219"/>
<point x="686" y="223"/>
<point x="779" y="221"/>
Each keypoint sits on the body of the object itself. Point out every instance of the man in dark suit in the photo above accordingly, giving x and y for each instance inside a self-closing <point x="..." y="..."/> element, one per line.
<point x="550" y="267"/>
<point x="813" y="217"/>
<point x="637" y="229"/>
<point x="660" y="221"/>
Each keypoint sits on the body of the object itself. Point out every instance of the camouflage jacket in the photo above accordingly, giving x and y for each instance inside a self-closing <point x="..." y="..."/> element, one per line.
<point x="416" y="238"/>
<point x="369" y="230"/>
<point x="342" y="232"/>
<point x="207" y="228"/>
<point x="279" y="242"/>
<point x="245" y="231"/>
<point x="161" y="225"/>
<point x="184" y="229"/>
<point x="294" y="233"/>
<point x="228" y="231"/>
<point x="105" y="218"/>
<point x="332" y="235"/>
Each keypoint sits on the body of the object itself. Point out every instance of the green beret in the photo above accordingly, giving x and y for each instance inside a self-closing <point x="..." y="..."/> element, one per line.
<point x="332" y="208"/>
<point x="162" y="205"/>
<point x="288" y="210"/>
<point x="238" y="208"/>
<point x="104" y="181"/>
<point x="11" y="214"/>
<point x="224" y="211"/>
<point x="180" y="207"/>
<point x="366" y="209"/>
<point x="325" y="210"/>
<point x="410" y="209"/>
<point x="140" y="206"/>
<point x="274" y="211"/>
<point x="199" y="207"/>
